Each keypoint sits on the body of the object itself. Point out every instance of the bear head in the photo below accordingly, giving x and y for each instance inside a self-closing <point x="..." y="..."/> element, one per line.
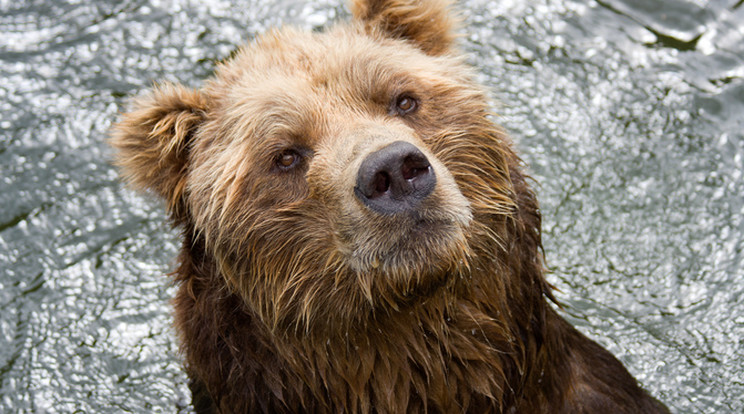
<point x="337" y="177"/>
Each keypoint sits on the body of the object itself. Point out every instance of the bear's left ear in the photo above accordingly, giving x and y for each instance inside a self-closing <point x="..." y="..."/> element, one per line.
<point x="152" y="141"/>
<point x="428" y="24"/>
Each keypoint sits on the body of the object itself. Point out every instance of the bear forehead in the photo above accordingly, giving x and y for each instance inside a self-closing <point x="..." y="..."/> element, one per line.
<point x="291" y="83"/>
<point x="342" y="64"/>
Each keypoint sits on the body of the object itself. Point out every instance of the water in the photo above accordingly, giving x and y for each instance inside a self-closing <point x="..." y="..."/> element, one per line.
<point x="629" y="113"/>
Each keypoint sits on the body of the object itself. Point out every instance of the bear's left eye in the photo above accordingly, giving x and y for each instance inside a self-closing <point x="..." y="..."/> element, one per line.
<point x="288" y="159"/>
<point x="405" y="104"/>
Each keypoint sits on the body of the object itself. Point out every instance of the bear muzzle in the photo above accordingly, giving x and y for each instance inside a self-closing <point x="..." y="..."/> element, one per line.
<point x="394" y="179"/>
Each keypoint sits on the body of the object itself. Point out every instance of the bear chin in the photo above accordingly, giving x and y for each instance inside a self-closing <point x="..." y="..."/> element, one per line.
<point x="403" y="243"/>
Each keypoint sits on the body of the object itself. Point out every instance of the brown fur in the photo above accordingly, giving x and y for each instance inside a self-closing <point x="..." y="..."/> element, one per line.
<point x="295" y="297"/>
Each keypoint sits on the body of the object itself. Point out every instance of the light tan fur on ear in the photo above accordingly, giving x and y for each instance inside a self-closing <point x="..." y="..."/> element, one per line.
<point x="152" y="141"/>
<point x="428" y="24"/>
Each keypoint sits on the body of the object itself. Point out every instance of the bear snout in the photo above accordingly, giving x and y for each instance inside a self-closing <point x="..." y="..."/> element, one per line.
<point x="394" y="179"/>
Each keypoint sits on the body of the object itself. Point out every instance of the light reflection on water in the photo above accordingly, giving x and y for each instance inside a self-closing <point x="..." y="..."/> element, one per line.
<point x="628" y="113"/>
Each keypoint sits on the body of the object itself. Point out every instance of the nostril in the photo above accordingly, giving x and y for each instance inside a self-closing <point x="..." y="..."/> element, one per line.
<point x="414" y="166"/>
<point x="382" y="182"/>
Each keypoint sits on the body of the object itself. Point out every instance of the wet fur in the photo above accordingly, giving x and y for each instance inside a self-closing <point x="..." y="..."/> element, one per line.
<point x="295" y="298"/>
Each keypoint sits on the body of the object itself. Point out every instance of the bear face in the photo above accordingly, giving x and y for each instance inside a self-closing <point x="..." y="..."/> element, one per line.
<point x="269" y="175"/>
<point x="301" y="230"/>
<point x="358" y="234"/>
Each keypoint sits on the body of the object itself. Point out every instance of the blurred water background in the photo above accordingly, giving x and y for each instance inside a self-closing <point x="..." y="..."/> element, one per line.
<point x="630" y="114"/>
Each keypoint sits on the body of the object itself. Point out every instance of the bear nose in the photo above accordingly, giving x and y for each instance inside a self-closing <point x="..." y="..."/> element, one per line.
<point x="395" y="178"/>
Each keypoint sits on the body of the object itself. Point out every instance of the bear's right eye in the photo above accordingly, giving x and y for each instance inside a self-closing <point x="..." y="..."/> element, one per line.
<point x="288" y="159"/>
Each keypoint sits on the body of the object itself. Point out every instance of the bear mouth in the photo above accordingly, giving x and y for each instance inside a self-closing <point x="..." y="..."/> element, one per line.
<point x="405" y="260"/>
<point x="412" y="244"/>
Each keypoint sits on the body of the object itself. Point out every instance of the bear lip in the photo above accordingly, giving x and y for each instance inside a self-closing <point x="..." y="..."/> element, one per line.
<point x="414" y="239"/>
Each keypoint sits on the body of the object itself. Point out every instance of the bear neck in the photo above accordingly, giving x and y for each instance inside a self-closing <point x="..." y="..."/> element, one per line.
<point x="445" y="351"/>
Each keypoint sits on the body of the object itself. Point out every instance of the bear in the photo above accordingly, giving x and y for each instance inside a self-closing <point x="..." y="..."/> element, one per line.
<point x="359" y="235"/>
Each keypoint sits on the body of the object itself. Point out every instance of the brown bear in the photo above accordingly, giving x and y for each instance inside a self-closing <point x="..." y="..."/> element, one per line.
<point x="358" y="236"/>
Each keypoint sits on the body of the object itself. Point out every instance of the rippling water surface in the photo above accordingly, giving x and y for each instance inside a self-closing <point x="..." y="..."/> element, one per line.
<point x="630" y="114"/>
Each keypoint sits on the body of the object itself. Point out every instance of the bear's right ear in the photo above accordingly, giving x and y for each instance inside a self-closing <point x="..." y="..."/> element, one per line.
<point x="152" y="141"/>
<point x="427" y="24"/>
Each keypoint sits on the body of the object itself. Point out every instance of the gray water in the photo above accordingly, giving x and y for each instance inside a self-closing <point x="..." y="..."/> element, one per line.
<point x="630" y="114"/>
